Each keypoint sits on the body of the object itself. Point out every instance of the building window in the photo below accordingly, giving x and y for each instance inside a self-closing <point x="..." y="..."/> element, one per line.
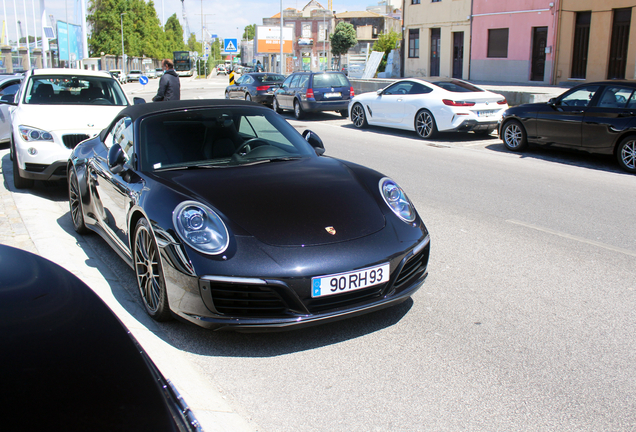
<point x="498" y="43"/>
<point x="414" y="43"/>
<point x="435" y="1"/>
<point x="415" y="1"/>
<point x="436" y="43"/>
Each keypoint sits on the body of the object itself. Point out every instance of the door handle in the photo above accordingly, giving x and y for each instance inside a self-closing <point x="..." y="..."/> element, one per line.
<point x="626" y="113"/>
<point x="399" y="100"/>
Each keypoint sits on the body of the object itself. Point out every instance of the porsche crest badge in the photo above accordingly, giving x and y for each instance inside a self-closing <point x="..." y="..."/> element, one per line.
<point x="331" y="230"/>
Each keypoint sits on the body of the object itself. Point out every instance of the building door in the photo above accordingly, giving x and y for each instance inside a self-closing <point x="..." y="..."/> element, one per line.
<point x="458" y="54"/>
<point x="539" y="41"/>
<point x="581" y="45"/>
<point x="620" y="41"/>
<point x="435" y="46"/>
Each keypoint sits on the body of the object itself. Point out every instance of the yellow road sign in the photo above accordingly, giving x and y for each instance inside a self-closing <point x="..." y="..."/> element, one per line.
<point x="232" y="78"/>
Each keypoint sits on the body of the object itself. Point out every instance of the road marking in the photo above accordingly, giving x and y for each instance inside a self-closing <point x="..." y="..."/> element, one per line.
<point x="575" y="238"/>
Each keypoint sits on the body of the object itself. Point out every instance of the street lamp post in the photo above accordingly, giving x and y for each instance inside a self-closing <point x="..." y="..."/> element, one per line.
<point x="123" y="62"/>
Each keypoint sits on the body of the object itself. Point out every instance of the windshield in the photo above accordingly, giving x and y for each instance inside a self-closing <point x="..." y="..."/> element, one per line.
<point x="74" y="90"/>
<point x="218" y="137"/>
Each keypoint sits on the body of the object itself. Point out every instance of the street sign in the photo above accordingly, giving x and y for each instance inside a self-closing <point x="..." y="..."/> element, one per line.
<point x="231" y="46"/>
<point x="143" y="80"/>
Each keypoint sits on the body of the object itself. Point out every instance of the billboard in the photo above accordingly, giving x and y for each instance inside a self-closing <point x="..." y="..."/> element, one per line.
<point x="268" y="40"/>
<point x="70" y="42"/>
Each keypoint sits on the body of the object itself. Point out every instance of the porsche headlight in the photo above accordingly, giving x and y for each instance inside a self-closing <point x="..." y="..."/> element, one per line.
<point x="200" y="227"/>
<point x="397" y="200"/>
<point x="33" y="134"/>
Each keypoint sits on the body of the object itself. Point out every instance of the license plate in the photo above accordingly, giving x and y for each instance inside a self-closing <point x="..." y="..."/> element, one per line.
<point x="330" y="95"/>
<point x="359" y="279"/>
<point x="486" y="113"/>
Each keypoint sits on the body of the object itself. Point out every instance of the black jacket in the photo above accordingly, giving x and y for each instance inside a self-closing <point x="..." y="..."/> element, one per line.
<point x="169" y="87"/>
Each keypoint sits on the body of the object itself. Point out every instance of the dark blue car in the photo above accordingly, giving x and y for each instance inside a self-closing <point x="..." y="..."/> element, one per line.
<point x="305" y="92"/>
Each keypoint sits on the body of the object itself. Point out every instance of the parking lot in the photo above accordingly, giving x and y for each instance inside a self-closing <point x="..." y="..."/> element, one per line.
<point x="526" y="321"/>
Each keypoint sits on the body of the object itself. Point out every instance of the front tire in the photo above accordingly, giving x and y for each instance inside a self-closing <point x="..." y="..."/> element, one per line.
<point x="514" y="136"/>
<point x="150" y="280"/>
<point x="75" y="203"/>
<point x="425" y="125"/>
<point x="626" y="154"/>
<point x="358" y="117"/>
<point x="298" y="110"/>
<point x="18" y="181"/>
<point x="227" y="95"/>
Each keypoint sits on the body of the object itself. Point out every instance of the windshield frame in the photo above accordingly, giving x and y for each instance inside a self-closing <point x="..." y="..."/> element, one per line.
<point x="118" y="93"/>
<point x="286" y="144"/>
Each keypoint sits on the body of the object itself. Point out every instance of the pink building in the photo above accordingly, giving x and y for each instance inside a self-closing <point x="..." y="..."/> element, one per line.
<point x="513" y="40"/>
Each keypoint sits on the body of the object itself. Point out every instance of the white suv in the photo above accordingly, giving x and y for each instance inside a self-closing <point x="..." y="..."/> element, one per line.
<point x="56" y="109"/>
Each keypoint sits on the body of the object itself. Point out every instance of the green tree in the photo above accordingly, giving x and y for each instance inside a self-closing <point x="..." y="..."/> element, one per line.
<point x="250" y="32"/>
<point x="174" y="36"/>
<point x="104" y="20"/>
<point x="385" y="43"/>
<point x="193" y="45"/>
<point x="343" y="38"/>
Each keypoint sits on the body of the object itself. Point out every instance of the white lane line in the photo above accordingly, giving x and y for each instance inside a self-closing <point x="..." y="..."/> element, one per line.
<point x="575" y="238"/>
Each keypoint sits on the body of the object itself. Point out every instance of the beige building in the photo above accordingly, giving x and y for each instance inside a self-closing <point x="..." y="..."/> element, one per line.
<point x="437" y="38"/>
<point x="596" y="40"/>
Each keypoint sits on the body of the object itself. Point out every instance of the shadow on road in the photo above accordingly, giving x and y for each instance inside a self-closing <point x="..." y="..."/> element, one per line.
<point x="53" y="191"/>
<point x="574" y="158"/>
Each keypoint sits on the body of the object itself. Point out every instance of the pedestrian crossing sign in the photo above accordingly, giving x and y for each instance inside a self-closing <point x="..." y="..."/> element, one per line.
<point x="231" y="46"/>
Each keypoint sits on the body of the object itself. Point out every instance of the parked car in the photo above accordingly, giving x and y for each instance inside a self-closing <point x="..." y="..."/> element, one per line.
<point x="257" y="87"/>
<point x="150" y="73"/>
<point x="9" y="85"/>
<point x="158" y="73"/>
<point x="133" y="75"/>
<point x="66" y="353"/>
<point x="221" y="70"/>
<point x="118" y="75"/>
<point x="306" y="92"/>
<point x="428" y="106"/>
<point x="55" y="109"/>
<point x="597" y="117"/>
<point x="330" y="240"/>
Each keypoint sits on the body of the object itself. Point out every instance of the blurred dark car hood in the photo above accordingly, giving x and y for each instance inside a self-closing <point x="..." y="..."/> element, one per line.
<point x="67" y="362"/>
<point x="288" y="203"/>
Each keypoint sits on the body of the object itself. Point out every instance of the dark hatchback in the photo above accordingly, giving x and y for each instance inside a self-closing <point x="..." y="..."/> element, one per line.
<point x="256" y="87"/>
<point x="305" y="92"/>
<point x="595" y="117"/>
<point x="67" y="361"/>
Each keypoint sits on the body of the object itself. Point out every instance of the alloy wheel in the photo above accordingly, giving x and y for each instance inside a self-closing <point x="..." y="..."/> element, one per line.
<point x="424" y="124"/>
<point x="628" y="154"/>
<point x="357" y="116"/>
<point x="75" y="205"/>
<point x="513" y="135"/>
<point x="148" y="270"/>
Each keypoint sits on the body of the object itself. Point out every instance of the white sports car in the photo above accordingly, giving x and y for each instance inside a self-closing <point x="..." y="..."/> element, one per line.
<point x="428" y="106"/>
<point x="54" y="110"/>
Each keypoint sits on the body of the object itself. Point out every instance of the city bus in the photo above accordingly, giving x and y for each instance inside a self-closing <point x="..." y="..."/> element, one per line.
<point x="183" y="64"/>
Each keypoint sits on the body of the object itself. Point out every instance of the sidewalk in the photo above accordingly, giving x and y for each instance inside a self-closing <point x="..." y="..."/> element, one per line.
<point x="41" y="224"/>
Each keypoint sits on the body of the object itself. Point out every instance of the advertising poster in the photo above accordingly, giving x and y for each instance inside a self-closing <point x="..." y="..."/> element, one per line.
<point x="69" y="40"/>
<point x="268" y="40"/>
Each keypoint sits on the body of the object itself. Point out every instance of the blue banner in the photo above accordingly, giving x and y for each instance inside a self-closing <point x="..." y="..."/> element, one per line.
<point x="69" y="42"/>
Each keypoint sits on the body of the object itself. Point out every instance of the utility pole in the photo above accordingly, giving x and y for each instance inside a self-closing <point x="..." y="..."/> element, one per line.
<point x="123" y="56"/>
<point x="281" y="37"/>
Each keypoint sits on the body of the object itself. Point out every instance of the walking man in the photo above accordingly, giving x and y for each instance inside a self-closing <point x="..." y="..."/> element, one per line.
<point x="169" y="85"/>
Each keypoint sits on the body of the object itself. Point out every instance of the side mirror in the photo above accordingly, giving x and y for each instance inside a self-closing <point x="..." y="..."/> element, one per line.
<point x="552" y="101"/>
<point x="138" y="100"/>
<point x="116" y="159"/>
<point x="314" y="141"/>
<point x="379" y="92"/>
<point x="8" y="99"/>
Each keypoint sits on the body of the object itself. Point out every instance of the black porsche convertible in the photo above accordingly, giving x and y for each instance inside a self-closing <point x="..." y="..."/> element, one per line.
<point x="232" y="219"/>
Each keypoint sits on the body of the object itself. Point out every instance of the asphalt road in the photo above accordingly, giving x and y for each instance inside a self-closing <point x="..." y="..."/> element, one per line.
<point x="526" y="322"/>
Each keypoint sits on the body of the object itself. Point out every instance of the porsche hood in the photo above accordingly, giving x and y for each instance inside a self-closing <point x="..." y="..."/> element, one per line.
<point x="305" y="202"/>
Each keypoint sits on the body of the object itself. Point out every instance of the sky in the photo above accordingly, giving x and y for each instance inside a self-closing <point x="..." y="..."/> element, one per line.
<point x="222" y="17"/>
